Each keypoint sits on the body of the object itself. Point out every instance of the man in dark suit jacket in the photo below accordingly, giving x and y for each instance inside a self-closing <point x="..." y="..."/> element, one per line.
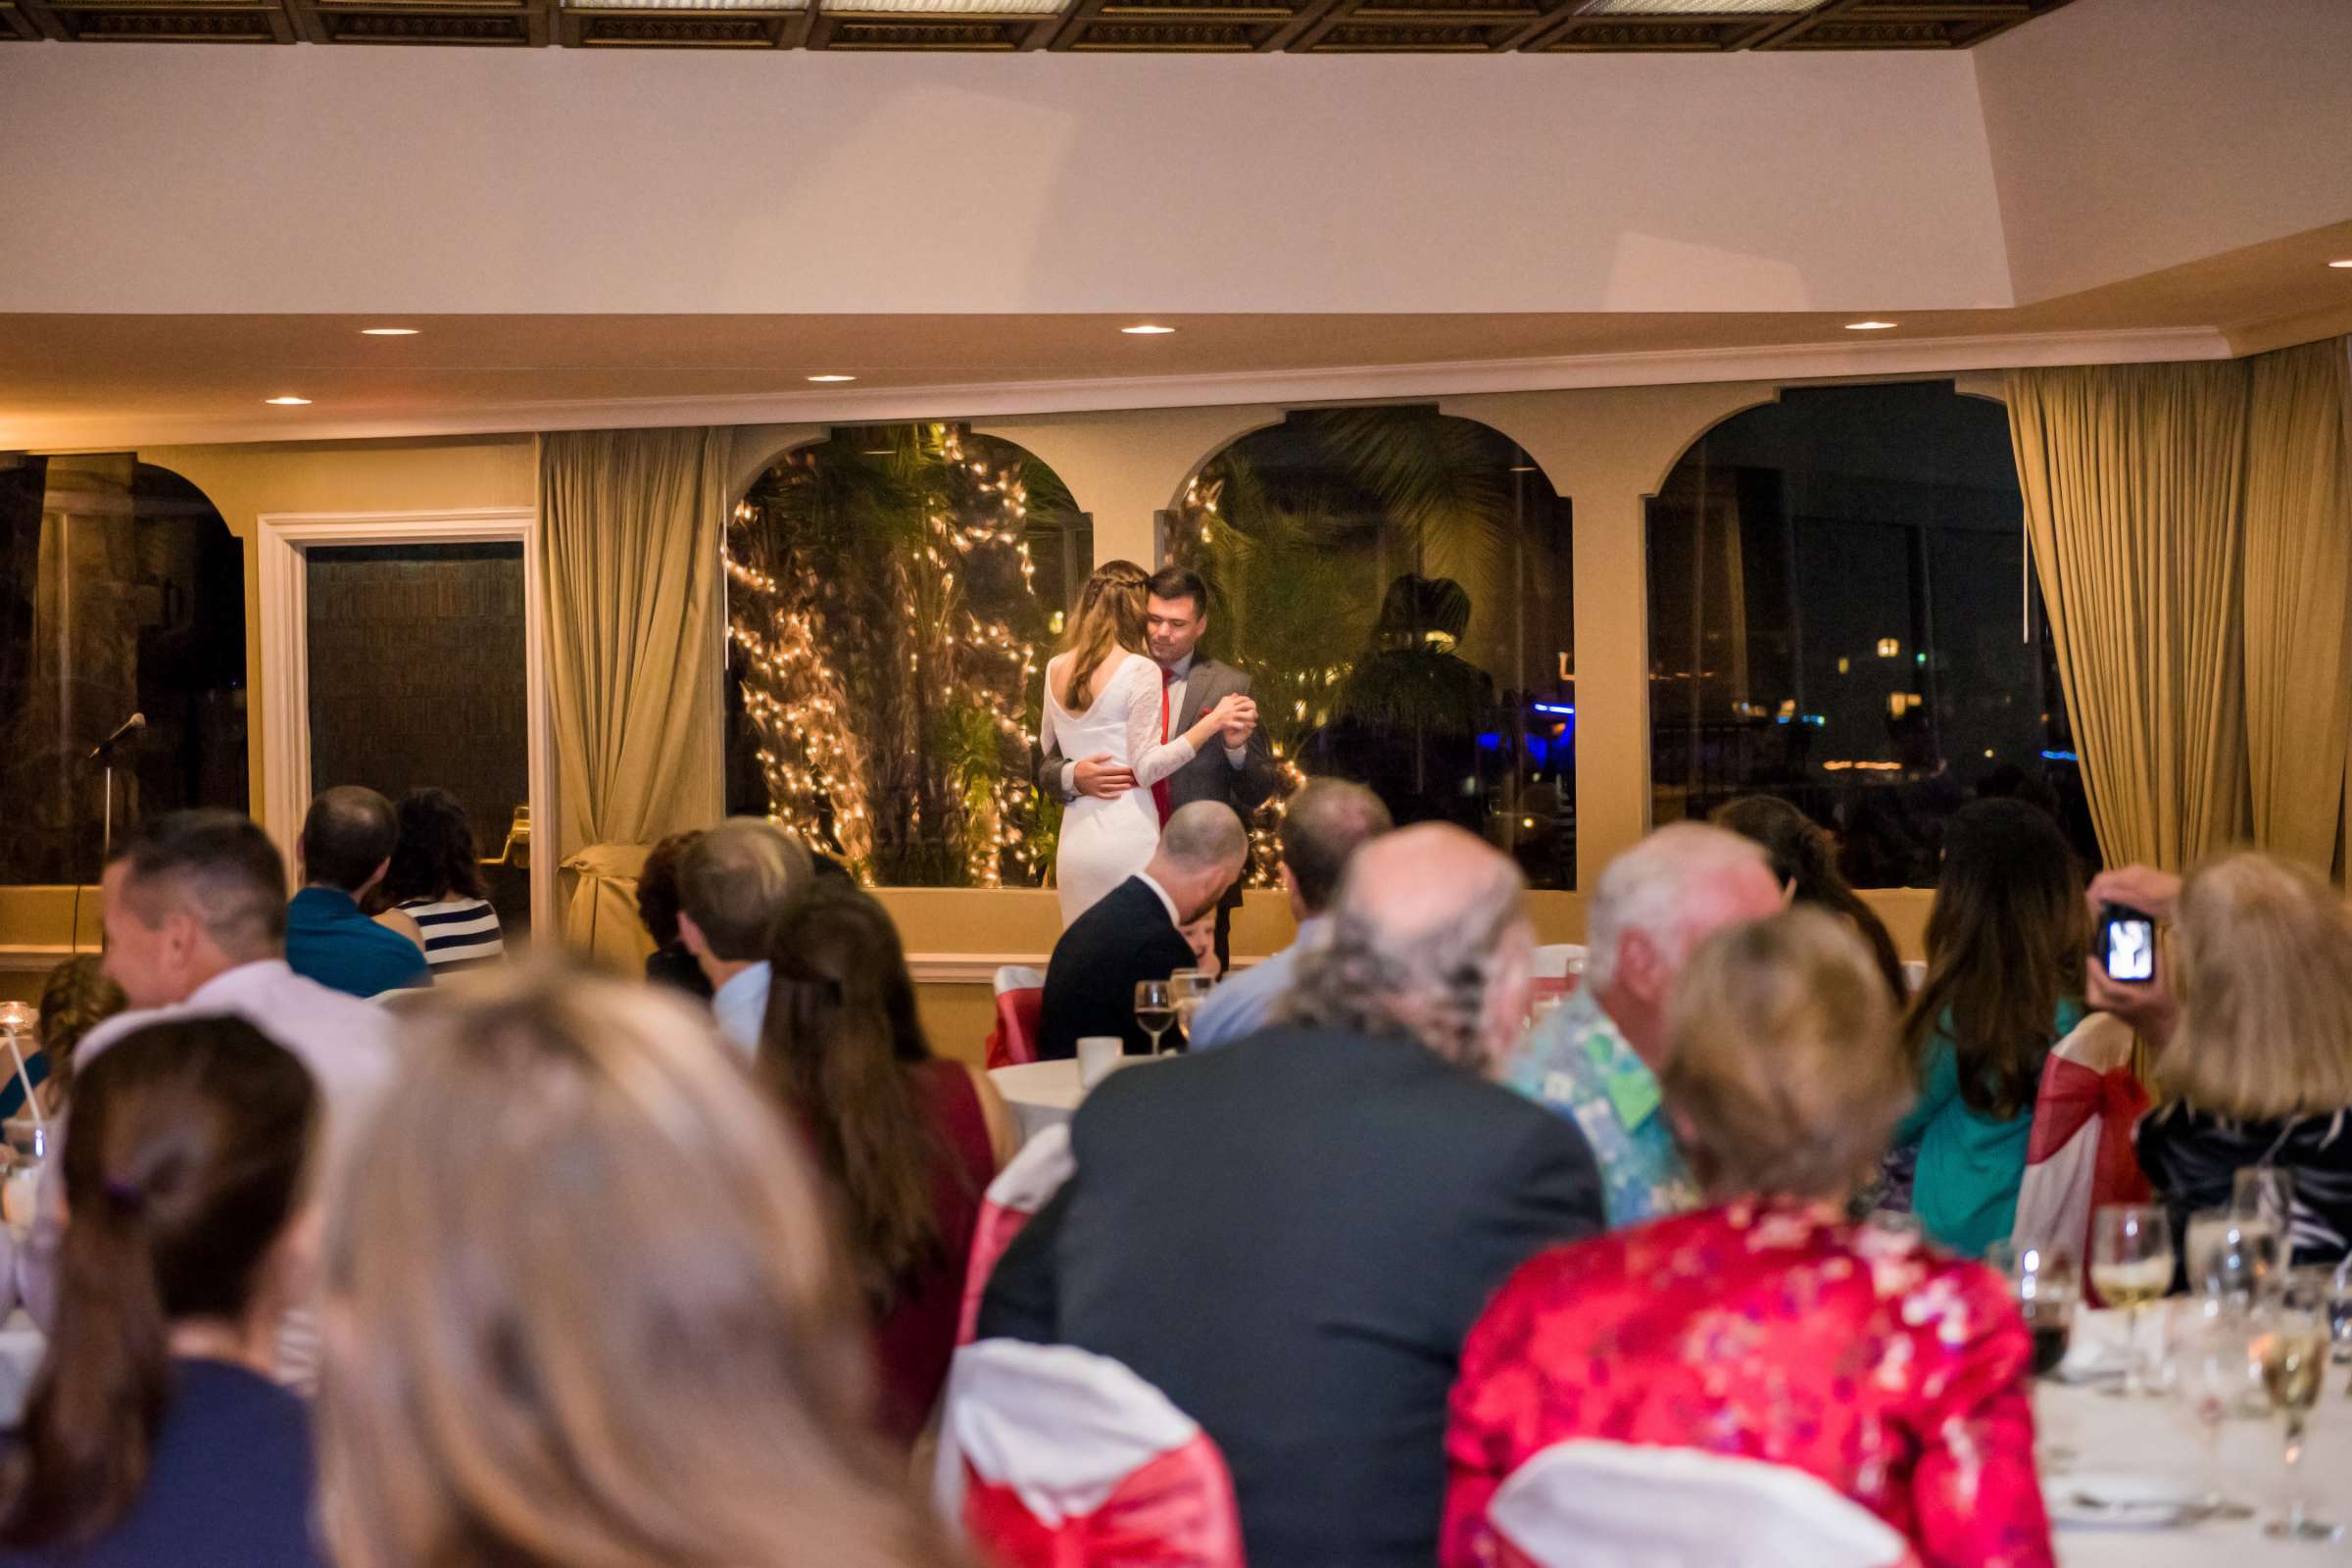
<point x="1239" y="774"/>
<point x="1133" y="933"/>
<point x="1291" y="1234"/>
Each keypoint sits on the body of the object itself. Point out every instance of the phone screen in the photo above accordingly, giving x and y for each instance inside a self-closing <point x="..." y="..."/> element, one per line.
<point x="2131" y="947"/>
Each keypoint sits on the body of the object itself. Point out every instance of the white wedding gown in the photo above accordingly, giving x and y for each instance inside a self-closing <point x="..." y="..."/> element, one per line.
<point x="1103" y="843"/>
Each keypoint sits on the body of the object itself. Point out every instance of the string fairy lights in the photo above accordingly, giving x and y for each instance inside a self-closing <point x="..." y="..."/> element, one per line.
<point x="887" y="679"/>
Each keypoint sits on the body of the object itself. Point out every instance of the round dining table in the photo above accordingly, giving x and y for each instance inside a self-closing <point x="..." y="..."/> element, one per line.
<point x="1046" y="1094"/>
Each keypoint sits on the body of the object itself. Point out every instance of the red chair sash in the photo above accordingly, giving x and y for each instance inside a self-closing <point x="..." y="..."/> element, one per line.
<point x="1177" y="1511"/>
<point x="1013" y="1041"/>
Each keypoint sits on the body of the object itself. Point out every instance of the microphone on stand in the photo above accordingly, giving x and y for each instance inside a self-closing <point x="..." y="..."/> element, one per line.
<point x="137" y="722"/>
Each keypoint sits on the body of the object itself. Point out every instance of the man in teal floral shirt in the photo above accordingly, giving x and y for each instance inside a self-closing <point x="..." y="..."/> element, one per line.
<point x="1594" y="1061"/>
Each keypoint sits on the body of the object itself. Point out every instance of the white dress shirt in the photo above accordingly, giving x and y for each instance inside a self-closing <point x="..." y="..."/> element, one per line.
<point x="345" y="1043"/>
<point x="1175" y="919"/>
<point x="740" y="1008"/>
<point x="1235" y="756"/>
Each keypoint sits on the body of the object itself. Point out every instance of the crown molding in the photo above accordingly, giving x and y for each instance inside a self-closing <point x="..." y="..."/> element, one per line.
<point x="1797" y="362"/>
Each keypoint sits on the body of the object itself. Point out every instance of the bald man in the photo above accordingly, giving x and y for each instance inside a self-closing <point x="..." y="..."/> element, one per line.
<point x="1291" y="1235"/>
<point x="1595" y="1060"/>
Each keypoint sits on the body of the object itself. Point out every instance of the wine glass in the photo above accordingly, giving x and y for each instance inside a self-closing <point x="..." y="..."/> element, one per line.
<point x="2231" y="1254"/>
<point x="2289" y="1350"/>
<point x="2046" y="1286"/>
<point x="2132" y="1264"/>
<point x="2213" y="1374"/>
<point x="2264" y="1193"/>
<point x="1191" y="988"/>
<point x="1155" y="1009"/>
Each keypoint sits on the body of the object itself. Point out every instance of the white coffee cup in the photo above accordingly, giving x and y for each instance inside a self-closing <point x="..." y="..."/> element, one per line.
<point x="1098" y="1056"/>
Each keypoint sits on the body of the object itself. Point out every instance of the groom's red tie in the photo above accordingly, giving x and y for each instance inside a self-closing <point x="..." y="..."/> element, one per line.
<point x="1159" y="790"/>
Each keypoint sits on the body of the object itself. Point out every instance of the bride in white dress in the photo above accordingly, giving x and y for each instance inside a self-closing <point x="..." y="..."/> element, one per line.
<point x="1103" y="698"/>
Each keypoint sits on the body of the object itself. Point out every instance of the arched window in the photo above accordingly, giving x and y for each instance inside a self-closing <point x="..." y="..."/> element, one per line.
<point x="1840" y="615"/>
<point x="122" y="592"/>
<point x="1397" y="583"/>
<point x="893" y="593"/>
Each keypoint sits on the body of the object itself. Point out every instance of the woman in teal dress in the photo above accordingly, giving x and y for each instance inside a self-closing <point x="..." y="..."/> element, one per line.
<point x="2004" y="984"/>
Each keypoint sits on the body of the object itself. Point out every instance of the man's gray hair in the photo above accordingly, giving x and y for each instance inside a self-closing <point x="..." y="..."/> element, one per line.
<point x="1204" y="835"/>
<point x="1416" y="961"/>
<point x="734" y="879"/>
<point x="1656" y="887"/>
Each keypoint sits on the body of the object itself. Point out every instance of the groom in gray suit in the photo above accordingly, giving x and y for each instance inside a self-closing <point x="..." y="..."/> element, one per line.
<point x="1239" y="774"/>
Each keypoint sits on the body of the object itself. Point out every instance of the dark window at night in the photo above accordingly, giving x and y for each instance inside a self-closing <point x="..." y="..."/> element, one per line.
<point x="1396" y="582"/>
<point x="122" y="590"/>
<point x="1840" y="615"/>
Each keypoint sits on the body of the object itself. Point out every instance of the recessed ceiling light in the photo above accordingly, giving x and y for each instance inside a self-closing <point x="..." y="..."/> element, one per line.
<point x="387" y="331"/>
<point x="2346" y="264"/>
<point x="1868" y="326"/>
<point x="832" y="379"/>
<point x="288" y="402"/>
<point x="1147" y="329"/>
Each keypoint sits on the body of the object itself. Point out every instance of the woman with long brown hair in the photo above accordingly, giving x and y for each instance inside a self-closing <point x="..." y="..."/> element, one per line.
<point x="1107" y="705"/>
<point x="155" y="1435"/>
<point x="1804" y="858"/>
<point x="584" y="1307"/>
<point x="909" y="1141"/>
<point x="2005" y="951"/>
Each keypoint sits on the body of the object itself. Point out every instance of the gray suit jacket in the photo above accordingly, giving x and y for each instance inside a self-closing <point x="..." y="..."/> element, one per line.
<point x="1208" y="776"/>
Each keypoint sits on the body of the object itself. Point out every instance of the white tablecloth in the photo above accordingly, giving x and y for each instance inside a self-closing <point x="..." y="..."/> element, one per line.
<point x="1044" y="1094"/>
<point x="2154" y="1436"/>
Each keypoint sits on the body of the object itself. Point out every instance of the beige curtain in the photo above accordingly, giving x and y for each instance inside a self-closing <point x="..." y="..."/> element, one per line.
<point x="2135" y="487"/>
<point x="630" y="524"/>
<point x="2299" y="597"/>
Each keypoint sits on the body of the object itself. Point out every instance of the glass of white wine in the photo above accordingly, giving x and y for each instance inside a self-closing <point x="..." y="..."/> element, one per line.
<point x="2132" y="1265"/>
<point x="1155" y="1009"/>
<point x="1191" y="988"/>
<point x="2289" y="1348"/>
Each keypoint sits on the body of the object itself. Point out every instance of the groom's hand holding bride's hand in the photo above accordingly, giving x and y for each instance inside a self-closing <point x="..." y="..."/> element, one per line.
<point x="1241" y="721"/>
<point x="1102" y="778"/>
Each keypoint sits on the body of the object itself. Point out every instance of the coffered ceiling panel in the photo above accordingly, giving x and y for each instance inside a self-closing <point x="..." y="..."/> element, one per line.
<point x="1210" y="26"/>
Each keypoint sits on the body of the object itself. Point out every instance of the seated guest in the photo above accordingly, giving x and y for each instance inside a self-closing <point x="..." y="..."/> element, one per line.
<point x="77" y="996"/>
<point x="345" y="849"/>
<point x="1595" y="1059"/>
<point x="2005" y="949"/>
<point x="2258" y="1068"/>
<point x="1136" y="932"/>
<point x="911" y="1141"/>
<point x="732" y="882"/>
<point x="1766" y="1326"/>
<point x="670" y="963"/>
<point x="588" y="1308"/>
<point x="154" y="1435"/>
<point x="434" y="886"/>
<point x="1321" y="826"/>
<point x="195" y="912"/>
<point x="1804" y="857"/>
<point x="1290" y="1235"/>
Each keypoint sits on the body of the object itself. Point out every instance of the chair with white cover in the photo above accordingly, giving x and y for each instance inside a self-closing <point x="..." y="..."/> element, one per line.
<point x="2080" y="1154"/>
<point x="1069" y="1459"/>
<point x="1021" y="995"/>
<point x="1594" y="1504"/>
<point x="1026" y="1183"/>
<point x="1557" y="968"/>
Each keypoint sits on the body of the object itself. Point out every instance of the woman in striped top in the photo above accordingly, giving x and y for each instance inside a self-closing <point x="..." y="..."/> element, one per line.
<point x="434" y="887"/>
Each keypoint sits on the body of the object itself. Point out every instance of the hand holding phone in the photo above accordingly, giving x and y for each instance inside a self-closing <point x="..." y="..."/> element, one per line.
<point x="2127" y="945"/>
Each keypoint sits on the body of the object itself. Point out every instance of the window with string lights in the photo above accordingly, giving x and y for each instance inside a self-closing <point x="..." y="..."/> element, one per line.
<point x="1842" y="616"/>
<point x="892" y="594"/>
<point x="1397" y="583"/>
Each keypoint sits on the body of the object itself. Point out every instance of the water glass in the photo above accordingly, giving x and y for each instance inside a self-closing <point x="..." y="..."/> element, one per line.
<point x="1191" y="988"/>
<point x="2233" y="1254"/>
<point x="2132" y="1264"/>
<point x="2213" y="1374"/>
<point x="2265" y="1191"/>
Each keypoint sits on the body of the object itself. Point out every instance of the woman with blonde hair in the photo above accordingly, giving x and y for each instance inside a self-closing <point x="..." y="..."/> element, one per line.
<point x="2258" y="1069"/>
<point x="1107" y="704"/>
<point x="1767" y="1325"/>
<point x="585" y="1307"/>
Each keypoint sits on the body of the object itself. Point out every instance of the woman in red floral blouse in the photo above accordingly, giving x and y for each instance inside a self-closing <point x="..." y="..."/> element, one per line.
<point x="1766" y="1326"/>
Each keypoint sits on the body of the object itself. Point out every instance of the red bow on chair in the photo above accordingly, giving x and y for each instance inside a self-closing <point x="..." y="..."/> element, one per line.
<point x="1175" y="1512"/>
